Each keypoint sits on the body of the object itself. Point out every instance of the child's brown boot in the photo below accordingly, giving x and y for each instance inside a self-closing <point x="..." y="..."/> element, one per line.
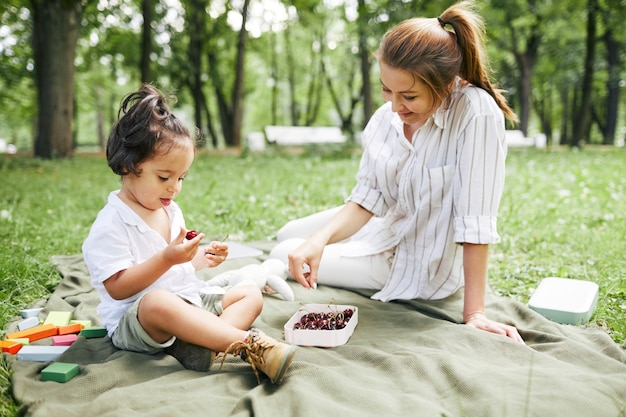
<point x="264" y="354"/>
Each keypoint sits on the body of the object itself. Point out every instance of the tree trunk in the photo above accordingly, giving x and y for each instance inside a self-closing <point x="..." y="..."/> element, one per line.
<point x="56" y="25"/>
<point x="147" y="9"/>
<point x="347" y="115"/>
<point x="565" y="94"/>
<point x="364" y="54"/>
<point x="237" y="100"/>
<point x="274" y="76"/>
<point x="582" y="120"/>
<point x="612" y="86"/>
<point x="291" y="80"/>
<point x="526" y="61"/>
<point x="196" y="18"/>
<point x="316" y="80"/>
<point x="223" y="108"/>
<point x="100" y="118"/>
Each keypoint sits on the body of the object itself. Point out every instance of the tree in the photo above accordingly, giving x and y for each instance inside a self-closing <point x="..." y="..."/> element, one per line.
<point x="56" y="26"/>
<point x="606" y="108"/>
<point x="239" y="77"/>
<point x="364" y="55"/>
<point x="196" y="16"/>
<point x="147" y="9"/>
<point x="229" y="103"/>
<point x="524" y="24"/>
<point x="583" y="113"/>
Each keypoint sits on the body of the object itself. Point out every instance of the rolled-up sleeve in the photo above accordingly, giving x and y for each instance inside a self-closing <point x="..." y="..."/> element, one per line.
<point x="479" y="180"/>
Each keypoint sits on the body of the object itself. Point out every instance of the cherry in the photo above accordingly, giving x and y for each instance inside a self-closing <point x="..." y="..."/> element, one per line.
<point x="191" y="234"/>
<point x="324" y="321"/>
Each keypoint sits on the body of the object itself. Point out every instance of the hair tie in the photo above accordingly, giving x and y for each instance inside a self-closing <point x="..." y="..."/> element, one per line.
<point x="441" y="22"/>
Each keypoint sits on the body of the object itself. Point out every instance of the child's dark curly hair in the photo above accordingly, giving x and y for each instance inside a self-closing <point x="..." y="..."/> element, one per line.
<point x="144" y="126"/>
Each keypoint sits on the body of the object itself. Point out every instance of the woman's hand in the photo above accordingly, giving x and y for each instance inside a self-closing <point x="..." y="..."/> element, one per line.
<point x="480" y="321"/>
<point x="304" y="263"/>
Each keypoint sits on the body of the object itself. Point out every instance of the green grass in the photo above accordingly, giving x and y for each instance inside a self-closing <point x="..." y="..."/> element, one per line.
<point x="563" y="214"/>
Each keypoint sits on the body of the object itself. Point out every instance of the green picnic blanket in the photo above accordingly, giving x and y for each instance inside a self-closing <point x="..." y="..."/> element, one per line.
<point x="408" y="358"/>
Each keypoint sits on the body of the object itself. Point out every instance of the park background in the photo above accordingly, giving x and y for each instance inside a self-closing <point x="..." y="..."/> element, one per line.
<point x="236" y="67"/>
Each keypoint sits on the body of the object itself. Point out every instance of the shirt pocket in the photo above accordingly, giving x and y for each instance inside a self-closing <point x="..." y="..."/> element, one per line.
<point x="433" y="187"/>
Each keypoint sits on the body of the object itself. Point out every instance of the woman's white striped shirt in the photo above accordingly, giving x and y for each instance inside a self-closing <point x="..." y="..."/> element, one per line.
<point x="432" y="194"/>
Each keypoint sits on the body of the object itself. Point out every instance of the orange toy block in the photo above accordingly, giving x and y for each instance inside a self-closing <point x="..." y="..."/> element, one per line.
<point x="10" y="347"/>
<point x="69" y="329"/>
<point x="35" y="333"/>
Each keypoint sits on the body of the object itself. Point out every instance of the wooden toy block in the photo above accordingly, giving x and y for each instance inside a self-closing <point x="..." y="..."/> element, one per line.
<point x="85" y="323"/>
<point x="59" y="372"/>
<point x="40" y="353"/>
<point x="64" y="340"/>
<point x="21" y="340"/>
<point x="10" y="347"/>
<point x="36" y="333"/>
<point x="92" y="332"/>
<point x="70" y="328"/>
<point x="30" y="312"/>
<point x="59" y="318"/>
<point x="28" y="323"/>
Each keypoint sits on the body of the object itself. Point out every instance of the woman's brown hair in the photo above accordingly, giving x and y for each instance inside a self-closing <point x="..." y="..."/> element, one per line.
<point x="428" y="50"/>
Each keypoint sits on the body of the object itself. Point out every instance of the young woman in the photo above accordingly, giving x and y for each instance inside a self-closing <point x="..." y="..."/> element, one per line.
<point x="423" y="213"/>
<point x="142" y="265"/>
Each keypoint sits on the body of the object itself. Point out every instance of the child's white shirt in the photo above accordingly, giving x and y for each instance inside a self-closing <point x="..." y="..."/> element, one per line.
<point x="119" y="239"/>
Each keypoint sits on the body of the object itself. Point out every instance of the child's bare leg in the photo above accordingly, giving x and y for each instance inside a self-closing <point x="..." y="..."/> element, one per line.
<point x="163" y="315"/>
<point x="241" y="306"/>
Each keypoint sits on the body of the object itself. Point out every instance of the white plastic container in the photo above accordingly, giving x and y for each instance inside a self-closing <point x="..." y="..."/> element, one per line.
<point x="564" y="300"/>
<point x="320" y="338"/>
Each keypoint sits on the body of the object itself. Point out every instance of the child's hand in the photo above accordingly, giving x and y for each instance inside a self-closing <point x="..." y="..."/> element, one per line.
<point x="216" y="253"/>
<point x="180" y="250"/>
<point x="211" y="256"/>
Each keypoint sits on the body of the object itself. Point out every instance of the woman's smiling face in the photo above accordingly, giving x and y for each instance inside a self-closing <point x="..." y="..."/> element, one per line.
<point x="410" y="98"/>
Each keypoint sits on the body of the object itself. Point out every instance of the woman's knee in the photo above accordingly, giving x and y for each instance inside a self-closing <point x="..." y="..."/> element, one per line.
<point x="281" y="250"/>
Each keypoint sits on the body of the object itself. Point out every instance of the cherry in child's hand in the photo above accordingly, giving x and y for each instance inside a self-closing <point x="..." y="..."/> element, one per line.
<point x="191" y="234"/>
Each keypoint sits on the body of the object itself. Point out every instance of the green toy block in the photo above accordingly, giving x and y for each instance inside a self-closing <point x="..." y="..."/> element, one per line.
<point x="59" y="372"/>
<point x="91" y="332"/>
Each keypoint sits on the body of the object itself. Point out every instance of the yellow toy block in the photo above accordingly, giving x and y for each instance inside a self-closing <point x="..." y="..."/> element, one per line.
<point x="21" y="340"/>
<point x="85" y="323"/>
<point x="58" y="318"/>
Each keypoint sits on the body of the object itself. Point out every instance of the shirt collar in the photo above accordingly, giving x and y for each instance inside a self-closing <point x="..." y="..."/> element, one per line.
<point x="438" y="117"/>
<point x="129" y="216"/>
